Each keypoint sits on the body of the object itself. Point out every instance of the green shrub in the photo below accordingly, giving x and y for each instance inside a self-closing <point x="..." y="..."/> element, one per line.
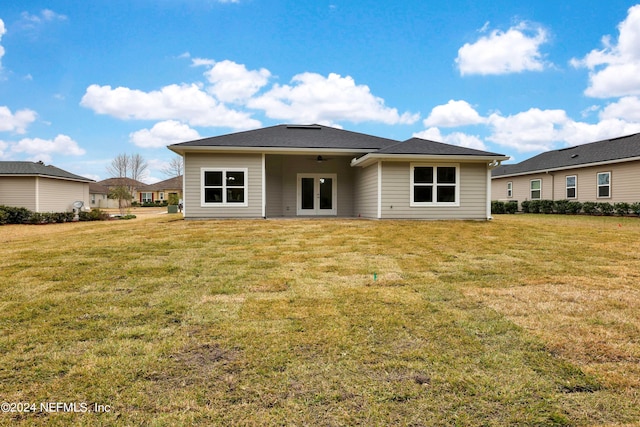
<point x="589" y="208"/>
<point x="546" y="206"/>
<point x="605" y="208"/>
<point x="525" y="206"/>
<point x="93" y="215"/>
<point x="574" y="207"/>
<point x="4" y="216"/>
<point x="16" y="215"/>
<point x="173" y="199"/>
<point x="622" y="208"/>
<point x="128" y="216"/>
<point x="561" y="206"/>
<point x="635" y="208"/>
<point x="511" y="207"/>
<point x="534" y="206"/>
<point x="497" y="207"/>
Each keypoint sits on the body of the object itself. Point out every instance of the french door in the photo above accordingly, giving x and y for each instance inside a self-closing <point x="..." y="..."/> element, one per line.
<point x="317" y="194"/>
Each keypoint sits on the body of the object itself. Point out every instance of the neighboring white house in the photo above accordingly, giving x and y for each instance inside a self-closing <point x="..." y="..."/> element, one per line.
<point x="314" y="170"/>
<point x="602" y="171"/>
<point x="41" y="188"/>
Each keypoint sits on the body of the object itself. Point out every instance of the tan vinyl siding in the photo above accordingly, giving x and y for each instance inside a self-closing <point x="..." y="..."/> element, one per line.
<point x="193" y="185"/>
<point x="57" y="195"/>
<point x="18" y="192"/>
<point x="366" y="192"/>
<point x="396" y="194"/>
<point x="274" y="186"/>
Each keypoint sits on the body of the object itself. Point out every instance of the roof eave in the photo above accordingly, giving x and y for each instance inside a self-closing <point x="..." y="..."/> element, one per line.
<point x="269" y="150"/>
<point x="40" y="175"/>
<point x="372" y="158"/>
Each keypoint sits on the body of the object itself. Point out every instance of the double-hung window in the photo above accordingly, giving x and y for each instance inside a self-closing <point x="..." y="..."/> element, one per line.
<point x="510" y="189"/>
<point x="435" y="185"/>
<point x="147" y="197"/>
<point x="535" y="189"/>
<point x="224" y="187"/>
<point x="604" y="184"/>
<point x="572" y="186"/>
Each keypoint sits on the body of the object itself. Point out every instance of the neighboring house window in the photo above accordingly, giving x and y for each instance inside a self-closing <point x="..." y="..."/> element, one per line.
<point x="225" y="187"/>
<point x="536" y="189"/>
<point x="604" y="184"/>
<point x="147" y="197"/>
<point x="509" y="189"/>
<point x="572" y="185"/>
<point x="93" y="199"/>
<point x="161" y="195"/>
<point x="435" y="185"/>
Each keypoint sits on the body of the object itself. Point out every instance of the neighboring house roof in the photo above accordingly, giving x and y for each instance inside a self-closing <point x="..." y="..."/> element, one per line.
<point x="605" y="151"/>
<point x="168" y="184"/>
<point x="11" y="168"/>
<point x="115" y="182"/>
<point x="324" y="138"/>
<point x="293" y="137"/>
<point x="95" y="188"/>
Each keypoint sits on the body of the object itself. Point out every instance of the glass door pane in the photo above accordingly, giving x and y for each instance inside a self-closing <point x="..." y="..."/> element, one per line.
<point x="326" y="193"/>
<point x="307" y="193"/>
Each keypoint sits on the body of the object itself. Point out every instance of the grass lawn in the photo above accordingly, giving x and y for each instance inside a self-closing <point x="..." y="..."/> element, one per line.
<point x="524" y="320"/>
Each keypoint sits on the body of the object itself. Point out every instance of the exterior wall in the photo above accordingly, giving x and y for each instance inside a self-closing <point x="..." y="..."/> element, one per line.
<point x="57" y="195"/>
<point x="366" y="192"/>
<point x="193" y="185"/>
<point x="18" y="192"/>
<point x="625" y="184"/>
<point x="396" y="194"/>
<point x="282" y="176"/>
<point x="100" y="201"/>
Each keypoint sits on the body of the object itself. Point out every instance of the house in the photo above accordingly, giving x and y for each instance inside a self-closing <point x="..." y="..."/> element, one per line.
<point x="97" y="191"/>
<point x="160" y="191"/>
<point x="98" y="196"/>
<point x="41" y="188"/>
<point x="602" y="171"/>
<point x="314" y="170"/>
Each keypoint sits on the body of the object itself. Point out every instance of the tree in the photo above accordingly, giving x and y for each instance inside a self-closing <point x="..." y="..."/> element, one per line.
<point x="175" y="167"/>
<point x="128" y="169"/>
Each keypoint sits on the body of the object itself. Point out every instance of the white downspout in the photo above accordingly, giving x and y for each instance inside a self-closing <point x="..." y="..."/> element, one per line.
<point x="490" y="166"/>
<point x="379" y="189"/>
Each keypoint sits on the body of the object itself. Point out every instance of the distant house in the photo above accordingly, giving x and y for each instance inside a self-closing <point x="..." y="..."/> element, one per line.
<point x="314" y="170"/>
<point x="160" y="191"/>
<point x="41" y="188"/>
<point x="607" y="170"/>
<point x="132" y="185"/>
<point x="98" y="196"/>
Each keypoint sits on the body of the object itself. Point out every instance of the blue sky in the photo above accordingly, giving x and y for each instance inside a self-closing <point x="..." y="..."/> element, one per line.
<point x="82" y="81"/>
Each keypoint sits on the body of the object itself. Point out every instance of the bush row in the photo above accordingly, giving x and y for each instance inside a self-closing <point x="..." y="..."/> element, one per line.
<point x="14" y="215"/>
<point x="157" y="203"/>
<point x="567" y="207"/>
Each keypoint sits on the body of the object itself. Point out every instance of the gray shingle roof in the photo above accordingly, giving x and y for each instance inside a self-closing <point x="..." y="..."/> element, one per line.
<point x="425" y="146"/>
<point x="38" y="169"/>
<point x="294" y="136"/>
<point x="168" y="184"/>
<point x="579" y="155"/>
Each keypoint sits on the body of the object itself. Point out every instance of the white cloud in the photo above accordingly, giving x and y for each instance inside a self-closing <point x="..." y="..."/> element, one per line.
<point x="17" y="122"/>
<point x="455" y="138"/>
<point x="187" y="103"/>
<point x="532" y="130"/>
<point x="42" y="149"/>
<point x="312" y="98"/>
<point x="627" y="108"/>
<point x="46" y="15"/>
<point x="574" y="133"/>
<point x="452" y="114"/>
<point x="163" y="134"/>
<point x="615" y="69"/>
<point x="3" y="147"/>
<point x="232" y="82"/>
<point x="513" y="51"/>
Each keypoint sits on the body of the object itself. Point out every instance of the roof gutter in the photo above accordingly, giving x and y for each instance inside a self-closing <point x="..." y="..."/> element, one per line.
<point x="372" y="158"/>
<point x="269" y="150"/>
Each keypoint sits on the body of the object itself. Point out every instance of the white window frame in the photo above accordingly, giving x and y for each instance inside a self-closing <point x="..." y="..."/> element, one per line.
<point x="224" y="202"/>
<point x="598" y="196"/>
<point x="161" y="195"/>
<point x="510" y="189"/>
<point x="435" y="203"/>
<point x="568" y="187"/>
<point x="531" y="190"/>
<point x="145" y="200"/>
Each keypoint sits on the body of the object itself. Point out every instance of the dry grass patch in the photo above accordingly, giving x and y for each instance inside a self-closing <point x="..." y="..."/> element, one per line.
<point x="526" y="320"/>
